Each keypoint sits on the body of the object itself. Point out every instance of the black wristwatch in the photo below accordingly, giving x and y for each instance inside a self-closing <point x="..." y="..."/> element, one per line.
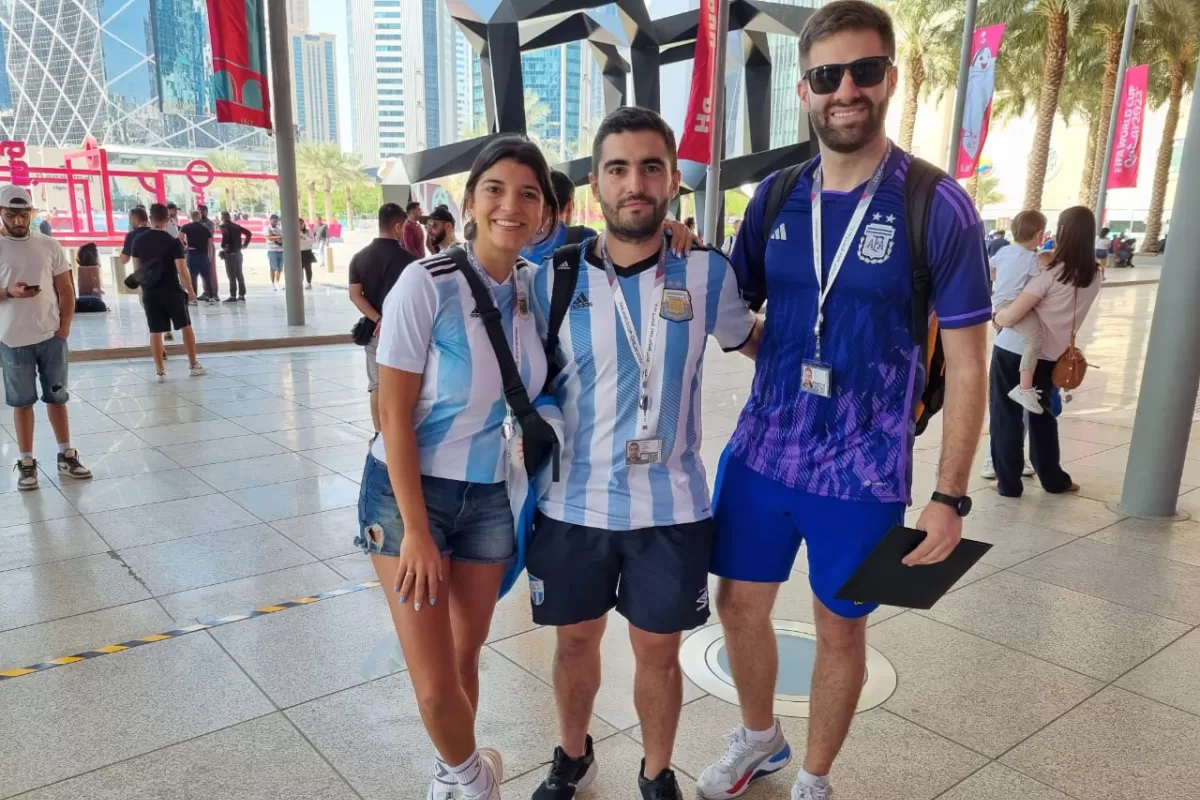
<point x="962" y="505"/>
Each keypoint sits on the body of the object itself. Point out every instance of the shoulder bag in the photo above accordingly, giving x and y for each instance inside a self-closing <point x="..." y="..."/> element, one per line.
<point x="1071" y="365"/>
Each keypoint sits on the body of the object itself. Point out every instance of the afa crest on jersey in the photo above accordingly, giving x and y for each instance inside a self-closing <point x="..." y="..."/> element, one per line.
<point x="875" y="246"/>
<point x="676" y="305"/>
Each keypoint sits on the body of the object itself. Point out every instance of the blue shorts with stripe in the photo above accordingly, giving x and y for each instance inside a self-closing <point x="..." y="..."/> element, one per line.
<point x="760" y="524"/>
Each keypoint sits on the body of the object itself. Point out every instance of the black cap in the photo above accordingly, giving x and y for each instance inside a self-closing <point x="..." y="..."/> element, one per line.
<point x="441" y="214"/>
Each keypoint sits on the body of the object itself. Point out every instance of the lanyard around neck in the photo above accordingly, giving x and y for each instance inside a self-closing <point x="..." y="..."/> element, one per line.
<point x="643" y="356"/>
<point x="839" y="257"/>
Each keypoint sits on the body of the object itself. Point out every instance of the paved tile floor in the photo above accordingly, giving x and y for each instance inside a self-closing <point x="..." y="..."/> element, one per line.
<point x="1063" y="667"/>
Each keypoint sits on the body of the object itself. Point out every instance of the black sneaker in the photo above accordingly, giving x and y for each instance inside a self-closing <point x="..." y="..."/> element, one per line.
<point x="242" y="299"/>
<point x="231" y="300"/>
<point x="663" y="787"/>
<point x="568" y="775"/>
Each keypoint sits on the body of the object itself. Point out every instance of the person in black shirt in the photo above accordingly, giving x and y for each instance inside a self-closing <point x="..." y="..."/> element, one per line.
<point x="198" y="237"/>
<point x="158" y="262"/>
<point x="373" y="273"/>
<point x="139" y="223"/>
<point x="234" y="238"/>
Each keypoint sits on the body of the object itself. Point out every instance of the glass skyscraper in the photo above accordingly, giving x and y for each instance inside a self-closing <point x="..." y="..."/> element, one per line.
<point x="128" y="72"/>
<point x="314" y="86"/>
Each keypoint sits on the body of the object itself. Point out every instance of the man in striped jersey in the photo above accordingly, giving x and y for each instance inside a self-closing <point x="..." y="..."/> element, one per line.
<point x="628" y="525"/>
<point x="823" y="450"/>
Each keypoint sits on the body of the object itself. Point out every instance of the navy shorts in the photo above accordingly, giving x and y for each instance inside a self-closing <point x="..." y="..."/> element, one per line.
<point x="761" y="523"/>
<point x="470" y="522"/>
<point x="657" y="578"/>
<point x="24" y="367"/>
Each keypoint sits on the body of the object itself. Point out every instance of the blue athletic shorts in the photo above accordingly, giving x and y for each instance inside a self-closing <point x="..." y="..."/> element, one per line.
<point x="760" y="524"/>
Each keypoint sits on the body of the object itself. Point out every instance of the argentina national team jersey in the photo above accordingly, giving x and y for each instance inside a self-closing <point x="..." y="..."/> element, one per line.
<point x="598" y="388"/>
<point x="857" y="444"/>
<point x="430" y="325"/>
<point x="537" y="253"/>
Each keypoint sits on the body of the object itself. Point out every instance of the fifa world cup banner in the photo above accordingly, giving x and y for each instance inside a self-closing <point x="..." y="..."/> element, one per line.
<point x="239" y="45"/>
<point x="977" y="111"/>
<point x="696" y="144"/>
<point x="1127" y="148"/>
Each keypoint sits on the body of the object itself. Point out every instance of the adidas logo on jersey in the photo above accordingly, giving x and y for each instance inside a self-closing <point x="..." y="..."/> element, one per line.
<point x="780" y="233"/>
<point x="581" y="302"/>
<point x="476" y="314"/>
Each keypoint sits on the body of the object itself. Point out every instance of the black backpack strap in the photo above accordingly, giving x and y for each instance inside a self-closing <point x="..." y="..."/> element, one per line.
<point x="779" y="191"/>
<point x="565" y="263"/>
<point x="575" y="234"/>
<point x="919" y="188"/>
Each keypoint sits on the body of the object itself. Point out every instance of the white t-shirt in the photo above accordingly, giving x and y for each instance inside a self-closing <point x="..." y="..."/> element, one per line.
<point x="1015" y="266"/>
<point x="429" y="326"/>
<point x="274" y="247"/>
<point x="173" y="228"/>
<point x="33" y="261"/>
<point x="598" y="390"/>
<point x="306" y="240"/>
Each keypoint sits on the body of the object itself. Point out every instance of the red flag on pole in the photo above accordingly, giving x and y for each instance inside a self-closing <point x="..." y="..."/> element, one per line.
<point x="1127" y="149"/>
<point x="696" y="144"/>
<point x="239" y="45"/>
<point x="977" y="111"/>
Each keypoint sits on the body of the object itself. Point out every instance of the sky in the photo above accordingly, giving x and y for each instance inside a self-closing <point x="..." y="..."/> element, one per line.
<point x="330" y="16"/>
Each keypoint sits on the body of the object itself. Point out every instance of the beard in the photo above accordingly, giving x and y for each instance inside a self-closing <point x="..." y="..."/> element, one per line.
<point x="640" y="227"/>
<point x="853" y="138"/>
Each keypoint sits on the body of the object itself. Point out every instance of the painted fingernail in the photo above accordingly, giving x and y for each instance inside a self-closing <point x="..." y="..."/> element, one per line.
<point x="416" y="606"/>
<point x="433" y="601"/>
<point x="400" y="598"/>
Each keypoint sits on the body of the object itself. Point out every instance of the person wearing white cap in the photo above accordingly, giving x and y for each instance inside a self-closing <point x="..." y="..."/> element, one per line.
<point x="37" y="305"/>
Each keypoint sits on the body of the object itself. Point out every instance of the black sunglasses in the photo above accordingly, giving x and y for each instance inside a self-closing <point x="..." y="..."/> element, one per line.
<point x="865" y="72"/>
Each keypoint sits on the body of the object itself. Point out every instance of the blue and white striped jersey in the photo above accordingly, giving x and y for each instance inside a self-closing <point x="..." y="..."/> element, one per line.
<point x="598" y="389"/>
<point x="430" y="326"/>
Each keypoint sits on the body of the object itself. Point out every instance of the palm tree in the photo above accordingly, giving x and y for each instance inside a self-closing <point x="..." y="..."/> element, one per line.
<point x="1051" y="22"/>
<point x="232" y="189"/>
<point x="1174" y="41"/>
<point x="928" y="54"/>
<point x="326" y="165"/>
<point x="1080" y="100"/>
<point x="987" y="191"/>
<point x="537" y="114"/>
<point x="311" y="187"/>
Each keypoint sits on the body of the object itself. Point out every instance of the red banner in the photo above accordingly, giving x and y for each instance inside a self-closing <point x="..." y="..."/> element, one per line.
<point x="1127" y="148"/>
<point x="696" y="144"/>
<point x="977" y="111"/>
<point x="239" y="46"/>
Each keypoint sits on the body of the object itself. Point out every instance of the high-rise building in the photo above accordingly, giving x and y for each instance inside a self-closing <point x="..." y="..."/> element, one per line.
<point x="298" y="15"/>
<point x="364" y="89"/>
<point x="128" y="72"/>
<point x="314" y="86"/>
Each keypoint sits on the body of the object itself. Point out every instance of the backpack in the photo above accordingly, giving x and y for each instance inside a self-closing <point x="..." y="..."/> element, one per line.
<point x="87" y="304"/>
<point x="575" y="234"/>
<point x="919" y="185"/>
<point x="566" y="274"/>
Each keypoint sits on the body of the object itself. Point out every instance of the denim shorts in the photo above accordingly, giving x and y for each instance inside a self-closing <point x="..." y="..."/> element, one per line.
<point x="25" y="366"/>
<point x="470" y="522"/>
<point x="275" y="260"/>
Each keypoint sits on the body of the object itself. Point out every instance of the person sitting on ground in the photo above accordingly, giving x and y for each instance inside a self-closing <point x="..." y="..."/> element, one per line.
<point x="1015" y="265"/>
<point x="161" y="271"/>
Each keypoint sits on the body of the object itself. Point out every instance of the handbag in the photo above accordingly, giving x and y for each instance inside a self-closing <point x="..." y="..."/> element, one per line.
<point x="1071" y="365"/>
<point x="539" y="440"/>
<point x="363" y="331"/>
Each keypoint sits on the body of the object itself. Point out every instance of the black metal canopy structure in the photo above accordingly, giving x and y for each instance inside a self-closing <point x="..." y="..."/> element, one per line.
<point x="500" y="30"/>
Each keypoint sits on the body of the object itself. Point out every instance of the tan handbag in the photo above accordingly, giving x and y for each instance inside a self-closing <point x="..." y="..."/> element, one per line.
<point x="1071" y="365"/>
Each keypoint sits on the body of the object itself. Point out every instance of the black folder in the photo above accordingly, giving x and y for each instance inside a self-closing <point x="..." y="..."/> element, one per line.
<point x="884" y="579"/>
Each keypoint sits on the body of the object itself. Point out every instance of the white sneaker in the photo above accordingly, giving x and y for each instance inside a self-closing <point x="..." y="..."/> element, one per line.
<point x="161" y="376"/>
<point x="1027" y="471"/>
<point x="442" y="786"/>
<point x="744" y="762"/>
<point x="27" y="479"/>
<point x="196" y="371"/>
<point x="1029" y="398"/>
<point x="806" y="791"/>
<point x="492" y="762"/>
<point x="989" y="469"/>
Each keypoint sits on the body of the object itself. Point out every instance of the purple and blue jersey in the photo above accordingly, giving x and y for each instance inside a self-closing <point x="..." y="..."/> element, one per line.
<point x="856" y="444"/>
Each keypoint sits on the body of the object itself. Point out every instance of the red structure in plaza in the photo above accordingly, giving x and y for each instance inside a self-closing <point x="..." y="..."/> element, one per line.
<point x="79" y="170"/>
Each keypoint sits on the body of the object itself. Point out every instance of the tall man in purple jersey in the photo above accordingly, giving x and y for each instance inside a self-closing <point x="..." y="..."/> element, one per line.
<point x="823" y="450"/>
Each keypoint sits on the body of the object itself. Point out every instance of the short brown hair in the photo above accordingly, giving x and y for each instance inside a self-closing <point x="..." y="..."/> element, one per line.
<point x="847" y="15"/>
<point x="1027" y="225"/>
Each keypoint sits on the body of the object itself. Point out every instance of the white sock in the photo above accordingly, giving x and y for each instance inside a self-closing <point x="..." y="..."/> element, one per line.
<point x="760" y="737"/>
<point x="28" y="456"/>
<point x="474" y="776"/>
<point x="817" y="781"/>
<point x="64" y="447"/>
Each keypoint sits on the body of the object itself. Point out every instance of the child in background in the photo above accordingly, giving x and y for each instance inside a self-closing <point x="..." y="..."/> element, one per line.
<point x="1014" y="265"/>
